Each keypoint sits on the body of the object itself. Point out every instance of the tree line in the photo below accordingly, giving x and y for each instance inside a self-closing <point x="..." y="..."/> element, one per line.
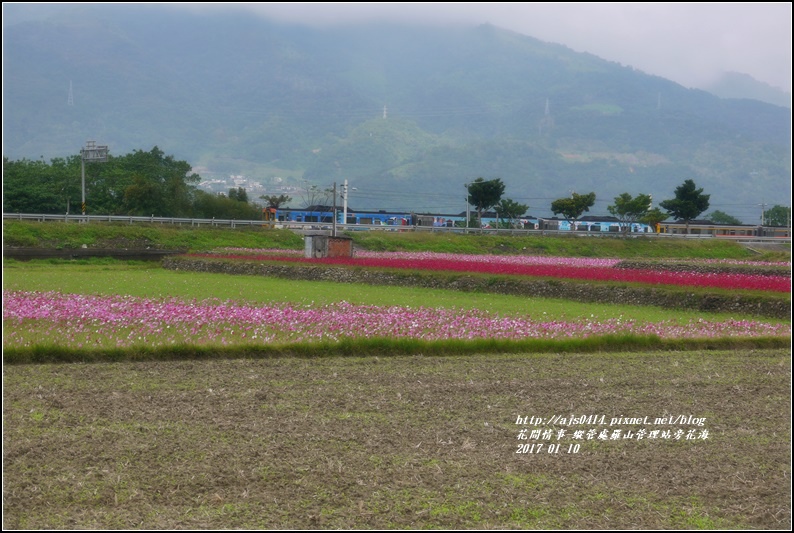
<point x="150" y="183"/>
<point x="140" y="183"/>
<point x="688" y="203"/>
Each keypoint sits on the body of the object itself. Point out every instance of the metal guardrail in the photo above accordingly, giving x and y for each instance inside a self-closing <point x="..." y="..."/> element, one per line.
<point x="132" y="220"/>
<point x="314" y="226"/>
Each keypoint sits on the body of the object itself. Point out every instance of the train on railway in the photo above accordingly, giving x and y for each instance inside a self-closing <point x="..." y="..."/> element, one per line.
<point x="323" y="216"/>
<point x="726" y="231"/>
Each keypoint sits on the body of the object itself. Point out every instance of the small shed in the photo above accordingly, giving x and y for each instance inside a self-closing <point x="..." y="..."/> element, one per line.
<point x="324" y="245"/>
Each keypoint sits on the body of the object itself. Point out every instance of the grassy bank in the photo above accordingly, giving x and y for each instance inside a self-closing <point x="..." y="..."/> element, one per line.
<point x="158" y="236"/>
<point x="383" y="348"/>
<point x="563" y="246"/>
<point x="105" y="235"/>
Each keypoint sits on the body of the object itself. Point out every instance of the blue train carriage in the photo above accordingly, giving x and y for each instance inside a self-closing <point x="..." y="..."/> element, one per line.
<point x="381" y="217"/>
<point x="594" y="224"/>
<point x="401" y="218"/>
<point x="322" y="214"/>
<point x="489" y="221"/>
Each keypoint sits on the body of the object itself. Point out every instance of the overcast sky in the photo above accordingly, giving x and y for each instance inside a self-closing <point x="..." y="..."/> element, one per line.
<point x="689" y="43"/>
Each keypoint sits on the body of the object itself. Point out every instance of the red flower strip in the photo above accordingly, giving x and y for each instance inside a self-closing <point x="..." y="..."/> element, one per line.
<point x="652" y="277"/>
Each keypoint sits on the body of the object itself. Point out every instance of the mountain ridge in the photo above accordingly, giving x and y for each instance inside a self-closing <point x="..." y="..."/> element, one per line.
<point x="235" y="94"/>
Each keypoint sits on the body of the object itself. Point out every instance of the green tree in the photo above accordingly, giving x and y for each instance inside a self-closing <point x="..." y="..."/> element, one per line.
<point x="511" y="210"/>
<point x="653" y="217"/>
<point x="573" y="207"/>
<point x="718" y="217"/>
<point x="170" y="179"/>
<point x="140" y="183"/>
<point x="65" y="179"/>
<point x="629" y="210"/>
<point x="145" y="183"/>
<point x="778" y="216"/>
<point x="143" y="198"/>
<point x="209" y="205"/>
<point x="33" y="186"/>
<point x="276" y="201"/>
<point x="28" y="188"/>
<point x="689" y="202"/>
<point x="484" y="195"/>
<point x="239" y="194"/>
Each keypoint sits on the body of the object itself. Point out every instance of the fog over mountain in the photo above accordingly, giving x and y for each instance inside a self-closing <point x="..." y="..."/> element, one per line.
<point x="738" y="85"/>
<point x="406" y="113"/>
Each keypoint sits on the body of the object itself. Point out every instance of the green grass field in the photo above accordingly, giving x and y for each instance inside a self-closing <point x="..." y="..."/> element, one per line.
<point x="148" y="280"/>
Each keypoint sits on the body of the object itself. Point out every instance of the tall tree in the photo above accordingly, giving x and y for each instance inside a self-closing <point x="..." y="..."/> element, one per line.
<point x="159" y="183"/>
<point x="28" y="187"/>
<point x="718" y="217"/>
<point x="143" y="198"/>
<point x="573" y="207"/>
<point x="207" y="205"/>
<point x="510" y="209"/>
<point x="689" y="202"/>
<point x="778" y="216"/>
<point x="629" y="210"/>
<point x="485" y="194"/>
<point x="654" y="217"/>
<point x="239" y="194"/>
<point x="276" y="201"/>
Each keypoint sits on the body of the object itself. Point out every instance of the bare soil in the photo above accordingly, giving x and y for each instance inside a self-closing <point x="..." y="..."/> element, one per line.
<point x="400" y="442"/>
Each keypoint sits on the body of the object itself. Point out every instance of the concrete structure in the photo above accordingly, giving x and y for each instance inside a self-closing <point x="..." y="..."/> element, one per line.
<point x="324" y="245"/>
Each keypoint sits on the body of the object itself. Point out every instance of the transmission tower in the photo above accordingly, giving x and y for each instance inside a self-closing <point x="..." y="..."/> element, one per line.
<point x="70" y="100"/>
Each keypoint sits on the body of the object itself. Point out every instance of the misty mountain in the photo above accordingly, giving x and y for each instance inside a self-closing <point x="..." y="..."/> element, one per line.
<point x="407" y="114"/>
<point x="737" y="85"/>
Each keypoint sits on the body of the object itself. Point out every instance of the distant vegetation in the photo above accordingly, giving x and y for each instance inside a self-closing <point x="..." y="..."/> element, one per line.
<point x="153" y="184"/>
<point x="139" y="184"/>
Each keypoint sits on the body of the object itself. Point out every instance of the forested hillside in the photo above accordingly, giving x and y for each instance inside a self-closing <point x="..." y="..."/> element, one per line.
<point x="407" y="113"/>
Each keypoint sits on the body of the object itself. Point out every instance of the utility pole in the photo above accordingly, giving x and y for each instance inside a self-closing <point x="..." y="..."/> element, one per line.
<point x="92" y="154"/>
<point x="333" y="231"/>
<point x="763" y="209"/>
<point x="344" y="202"/>
<point x="467" y="205"/>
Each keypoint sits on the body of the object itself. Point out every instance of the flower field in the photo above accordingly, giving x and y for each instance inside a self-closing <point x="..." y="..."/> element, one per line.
<point x="250" y="392"/>
<point x="52" y="318"/>
<point x="49" y="318"/>
<point x="582" y="269"/>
